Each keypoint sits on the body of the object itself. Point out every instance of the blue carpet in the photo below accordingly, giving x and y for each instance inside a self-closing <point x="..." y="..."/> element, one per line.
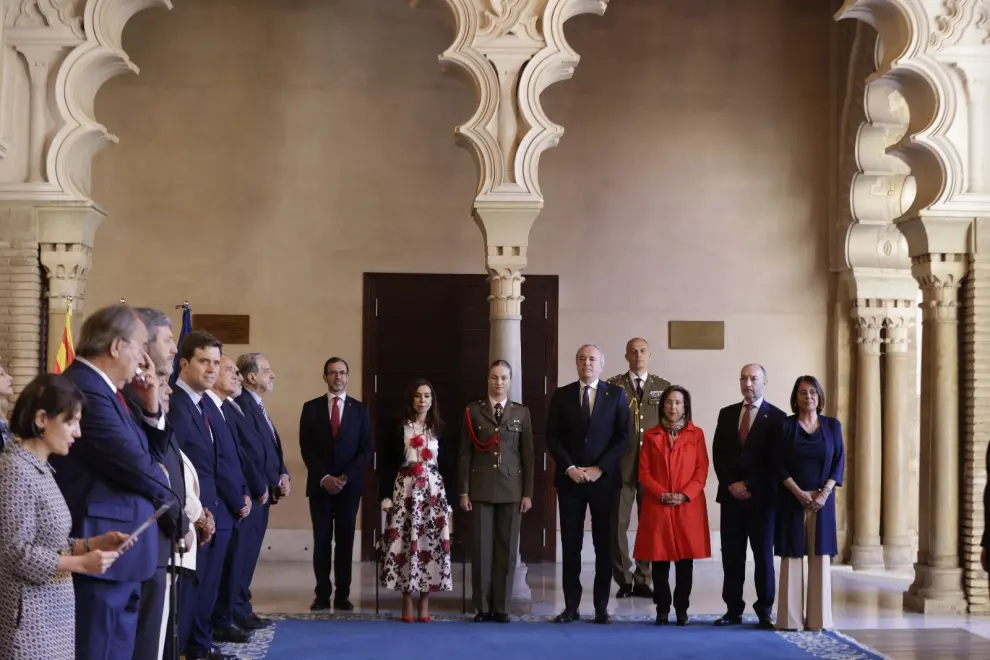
<point x="631" y="637"/>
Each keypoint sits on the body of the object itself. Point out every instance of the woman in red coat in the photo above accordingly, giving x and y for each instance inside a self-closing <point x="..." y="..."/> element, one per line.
<point x="673" y="521"/>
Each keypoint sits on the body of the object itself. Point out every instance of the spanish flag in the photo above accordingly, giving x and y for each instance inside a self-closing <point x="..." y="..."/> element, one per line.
<point x="66" y="352"/>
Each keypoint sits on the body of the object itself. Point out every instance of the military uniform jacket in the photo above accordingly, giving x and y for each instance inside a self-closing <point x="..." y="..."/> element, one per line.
<point x="644" y="415"/>
<point x="505" y="472"/>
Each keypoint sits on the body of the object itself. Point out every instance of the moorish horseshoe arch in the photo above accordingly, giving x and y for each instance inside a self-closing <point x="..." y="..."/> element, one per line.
<point x="934" y="55"/>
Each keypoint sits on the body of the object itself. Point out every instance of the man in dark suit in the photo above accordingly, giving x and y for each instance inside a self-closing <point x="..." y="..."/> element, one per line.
<point x="204" y="438"/>
<point x="232" y="607"/>
<point x="587" y="434"/>
<point x="741" y="452"/>
<point x="258" y="380"/>
<point x="111" y="479"/>
<point x="173" y="524"/>
<point x="335" y="438"/>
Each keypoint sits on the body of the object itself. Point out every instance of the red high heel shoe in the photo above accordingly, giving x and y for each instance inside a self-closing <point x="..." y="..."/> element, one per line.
<point x="424" y="619"/>
<point x="406" y="619"/>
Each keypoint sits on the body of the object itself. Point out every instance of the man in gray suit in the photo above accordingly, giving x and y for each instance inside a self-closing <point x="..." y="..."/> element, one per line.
<point x="495" y="481"/>
<point x="643" y="390"/>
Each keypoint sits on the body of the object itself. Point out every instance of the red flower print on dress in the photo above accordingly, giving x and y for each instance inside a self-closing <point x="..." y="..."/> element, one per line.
<point x="416" y="469"/>
<point x="421" y="483"/>
<point x="400" y="559"/>
<point x="392" y="535"/>
<point x="425" y="556"/>
<point x="441" y="522"/>
<point x="445" y="544"/>
<point x="416" y="442"/>
<point x="426" y="454"/>
<point x="413" y="546"/>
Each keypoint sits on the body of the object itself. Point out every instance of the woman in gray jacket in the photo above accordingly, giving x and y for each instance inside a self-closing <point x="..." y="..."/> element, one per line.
<point x="37" y="556"/>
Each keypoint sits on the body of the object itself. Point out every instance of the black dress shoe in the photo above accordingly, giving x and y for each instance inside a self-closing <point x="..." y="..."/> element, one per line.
<point x="500" y="617"/>
<point x="343" y="605"/>
<point x="566" y="617"/>
<point x="231" y="634"/>
<point x="625" y="591"/>
<point x="482" y="617"/>
<point x="728" y="620"/>
<point x="214" y="654"/>
<point x="682" y="618"/>
<point x="320" y="605"/>
<point x="765" y="623"/>
<point x="253" y="622"/>
<point x="662" y="619"/>
<point x="602" y="617"/>
<point x="642" y="591"/>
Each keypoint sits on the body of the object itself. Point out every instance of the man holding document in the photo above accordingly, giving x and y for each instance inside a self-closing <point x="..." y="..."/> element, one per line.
<point x="111" y="480"/>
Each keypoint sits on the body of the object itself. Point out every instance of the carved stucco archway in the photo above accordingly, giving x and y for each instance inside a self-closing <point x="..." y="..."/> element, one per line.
<point x="933" y="56"/>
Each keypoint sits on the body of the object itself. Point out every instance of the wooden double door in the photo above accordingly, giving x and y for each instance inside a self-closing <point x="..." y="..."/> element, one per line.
<point x="436" y="327"/>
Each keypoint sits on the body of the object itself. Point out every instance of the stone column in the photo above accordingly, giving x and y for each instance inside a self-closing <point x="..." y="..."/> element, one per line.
<point x="937" y="585"/>
<point x="866" y="550"/>
<point x="898" y="372"/>
<point x="20" y="294"/>
<point x="66" y="233"/>
<point x="511" y="51"/>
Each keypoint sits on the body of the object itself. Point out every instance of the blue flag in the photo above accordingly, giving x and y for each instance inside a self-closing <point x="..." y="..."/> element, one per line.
<point x="186" y="328"/>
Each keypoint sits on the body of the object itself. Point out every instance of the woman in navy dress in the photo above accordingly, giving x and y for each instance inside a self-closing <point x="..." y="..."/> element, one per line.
<point x="810" y="460"/>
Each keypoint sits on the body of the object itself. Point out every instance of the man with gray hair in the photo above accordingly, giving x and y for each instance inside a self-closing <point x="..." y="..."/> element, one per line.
<point x="259" y="380"/>
<point x="112" y="479"/>
<point x="587" y="434"/>
<point x="172" y="525"/>
<point x="747" y="492"/>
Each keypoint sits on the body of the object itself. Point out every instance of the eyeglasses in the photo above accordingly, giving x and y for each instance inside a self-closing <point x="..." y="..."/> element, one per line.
<point x="335" y="373"/>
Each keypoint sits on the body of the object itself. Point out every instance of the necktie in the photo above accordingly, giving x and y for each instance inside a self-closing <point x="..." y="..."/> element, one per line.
<point x="202" y="409"/>
<point x="268" y="420"/>
<point x="498" y="413"/>
<point x="236" y="406"/>
<point x="586" y="405"/>
<point x="744" y="426"/>
<point x="120" y="397"/>
<point x="334" y="416"/>
<point x="639" y="389"/>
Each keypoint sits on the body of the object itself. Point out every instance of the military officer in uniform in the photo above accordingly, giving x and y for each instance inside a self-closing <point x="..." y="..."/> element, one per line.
<point x="643" y="390"/>
<point x="495" y="482"/>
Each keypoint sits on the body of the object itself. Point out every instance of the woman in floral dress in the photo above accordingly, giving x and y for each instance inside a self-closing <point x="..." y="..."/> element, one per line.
<point x="415" y="544"/>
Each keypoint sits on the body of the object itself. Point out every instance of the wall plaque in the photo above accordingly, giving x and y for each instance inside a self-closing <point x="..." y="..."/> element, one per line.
<point x="696" y="335"/>
<point x="228" y="328"/>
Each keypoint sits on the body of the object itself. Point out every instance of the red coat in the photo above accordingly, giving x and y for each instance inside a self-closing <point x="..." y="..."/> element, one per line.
<point x="671" y="533"/>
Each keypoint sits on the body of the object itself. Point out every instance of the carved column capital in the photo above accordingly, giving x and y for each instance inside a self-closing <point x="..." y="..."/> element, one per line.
<point x="897" y="326"/>
<point x="939" y="276"/>
<point x="66" y="234"/>
<point x="512" y="50"/>
<point x="869" y="318"/>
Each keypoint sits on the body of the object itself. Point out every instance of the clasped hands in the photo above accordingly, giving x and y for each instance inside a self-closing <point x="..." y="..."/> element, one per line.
<point x="673" y="499"/>
<point x="813" y="500"/>
<point x="334" y="485"/>
<point x="584" y="475"/>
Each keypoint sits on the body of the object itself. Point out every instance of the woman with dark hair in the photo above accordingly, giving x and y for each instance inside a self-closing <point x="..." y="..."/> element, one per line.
<point x="673" y="523"/>
<point x="809" y="461"/>
<point x="37" y="557"/>
<point x="415" y="544"/>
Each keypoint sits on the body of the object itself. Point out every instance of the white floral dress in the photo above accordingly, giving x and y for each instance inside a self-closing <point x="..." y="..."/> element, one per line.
<point x="415" y="545"/>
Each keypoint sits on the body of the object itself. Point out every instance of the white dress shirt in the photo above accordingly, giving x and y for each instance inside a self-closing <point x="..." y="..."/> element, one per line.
<point x="217" y="400"/>
<point x="592" y="395"/>
<point x="493" y="402"/>
<point x="340" y="411"/>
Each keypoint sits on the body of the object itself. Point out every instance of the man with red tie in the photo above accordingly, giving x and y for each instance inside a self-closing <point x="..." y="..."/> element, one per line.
<point x="741" y="452"/>
<point x="335" y="439"/>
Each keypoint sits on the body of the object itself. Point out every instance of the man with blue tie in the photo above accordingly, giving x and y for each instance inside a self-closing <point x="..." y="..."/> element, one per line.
<point x="233" y="606"/>
<point x="743" y="461"/>
<point x="335" y="439"/>
<point x="204" y="438"/>
<point x="259" y="381"/>
<point x="111" y="480"/>
<point x="587" y="432"/>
